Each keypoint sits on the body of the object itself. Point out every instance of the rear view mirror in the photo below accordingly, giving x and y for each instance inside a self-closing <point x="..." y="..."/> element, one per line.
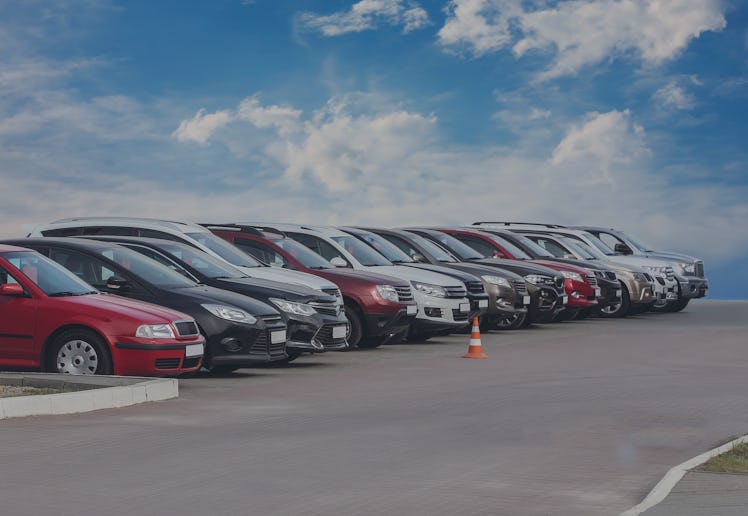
<point x="11" y="289"/>
<point x="498" y="254"/>
<point x="418" y="257"/>
<point x="622" y="249"/>
<point x="339" y="262"/>
<point x="569" y="256"/>
<point x="117" y="283"/>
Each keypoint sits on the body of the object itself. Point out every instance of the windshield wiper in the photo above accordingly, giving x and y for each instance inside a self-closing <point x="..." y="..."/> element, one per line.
<point x="66" y="293"/>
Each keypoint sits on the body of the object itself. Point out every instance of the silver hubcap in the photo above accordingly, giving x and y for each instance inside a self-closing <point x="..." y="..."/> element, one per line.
<point x="611" y="309"/>
<point x="507" y="321"/>
<point x="77" y="357"/>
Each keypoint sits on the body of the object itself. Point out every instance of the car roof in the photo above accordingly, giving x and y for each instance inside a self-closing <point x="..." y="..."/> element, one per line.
<point x="146" y="241"/>
<point x="70" y="242"/>
<point x="328" y="231"/>
<point x="7" y="248"/>
<point x="139" y="222"/>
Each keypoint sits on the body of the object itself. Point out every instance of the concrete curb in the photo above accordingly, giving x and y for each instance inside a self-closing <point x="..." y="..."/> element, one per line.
<point x="96" y="392"/>
<point x="673" y="476"/>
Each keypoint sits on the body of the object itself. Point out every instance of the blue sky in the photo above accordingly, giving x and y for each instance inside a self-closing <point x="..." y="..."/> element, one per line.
<point x="384" y="112"/>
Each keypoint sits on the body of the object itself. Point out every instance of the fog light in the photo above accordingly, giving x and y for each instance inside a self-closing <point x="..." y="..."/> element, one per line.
<point x="231" y="344"/>
<point x="576" y="295"/>
<point x="432" y="312"/>
<point x="503" y="303"/>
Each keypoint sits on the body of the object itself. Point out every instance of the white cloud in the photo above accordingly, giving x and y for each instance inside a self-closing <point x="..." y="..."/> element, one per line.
<point x="581" y="33"/>
<point x="201" y="127"/>
<point x="674" y="96"/>
<point x="367" y="15"/>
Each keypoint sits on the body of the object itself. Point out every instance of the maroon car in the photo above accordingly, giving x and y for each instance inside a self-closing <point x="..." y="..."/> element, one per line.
<point x="379" y="308"/>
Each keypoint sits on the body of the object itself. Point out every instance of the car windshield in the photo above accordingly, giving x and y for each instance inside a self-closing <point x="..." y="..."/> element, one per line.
<point x="579" y="248"/>
<point x="146" y="268"/>
<point x="433" y="249"/>
<point x="384" y="247"/>
<point x="641" y="247"/>
<point x="512" y="249"/>
<point x="601" y="247"/>
<point x="54" y="279"/>
<point x="462" y="251"/>
<point x="204" y="263"/>
<point x="225" y="250"/>
<point x="534" y="248"/>
<point x="365" y="255"/>
<point x="593" y="251"/>
<point x="306" y="256"/>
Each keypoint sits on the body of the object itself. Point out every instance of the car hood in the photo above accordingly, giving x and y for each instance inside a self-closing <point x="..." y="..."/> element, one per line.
<point x="520" y="267"/>
<point x="638" y="261"/>
<point x="413" y="274"/>
<point x="372" y="278"/>
<point x="288" y="276"/>
<point x="557" y="266"/>
<point x="148" y="313"/>
<point x="264" y="289"/>
<point x="672" y="257"/>
<point x="483" y="270"/>
<point x="447" y="271"/>
<point x="203" y="294"/>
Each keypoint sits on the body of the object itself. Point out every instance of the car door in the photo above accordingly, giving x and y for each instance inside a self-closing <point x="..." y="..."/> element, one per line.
<point x="18" y="318"/>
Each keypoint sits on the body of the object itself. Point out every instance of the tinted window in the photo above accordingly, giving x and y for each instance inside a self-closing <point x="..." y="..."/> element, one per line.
<point x="260" y="251"/>
<point x="551" y="246"/>
<point x="366" y="256"/>
<point x="145" y="268"/>
<point x="510" y="248"/>
<point x="319" y="246"/>
<point x="479" y="245"/>
<point x="224" y="249"/>
<point x="302" y="253"/>
<point x="383" y="247"/>
<point x="89" y="268"/>
<point x="204" y="263"/>
<point x="52" y="278"/>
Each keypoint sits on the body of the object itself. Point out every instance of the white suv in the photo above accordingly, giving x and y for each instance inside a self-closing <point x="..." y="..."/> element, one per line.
<point x="188" y="233"/>
<point x="442" y="300"/>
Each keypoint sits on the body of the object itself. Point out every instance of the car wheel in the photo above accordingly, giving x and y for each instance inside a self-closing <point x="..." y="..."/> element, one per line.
<point x="79" y="352"/>
<point x="679" y="305"/>
<point x="619" y="309"/>
<point x="511" y="322"/>
<point x="355" y="328"/>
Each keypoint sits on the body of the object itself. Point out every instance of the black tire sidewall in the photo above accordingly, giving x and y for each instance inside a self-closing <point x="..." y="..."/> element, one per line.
<point x="357" y="327"/>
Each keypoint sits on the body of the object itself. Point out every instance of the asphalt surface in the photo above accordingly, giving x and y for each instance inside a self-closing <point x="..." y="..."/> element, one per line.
<point x="700" y="493"/>
<point x="578" y="418"/>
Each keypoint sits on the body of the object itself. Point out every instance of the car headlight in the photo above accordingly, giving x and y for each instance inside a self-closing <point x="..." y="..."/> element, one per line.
<point x="497" y="280"/>
<point x="430" y="290"/>
<point x="293" y="308"/>
<point x="687" y="268"/>
<point x="230" y="313"/>
<point x="388" y="293"/>
<point x="574" y="276"/>
<point x="155" y="331"/>
<point x="639" y="276"/>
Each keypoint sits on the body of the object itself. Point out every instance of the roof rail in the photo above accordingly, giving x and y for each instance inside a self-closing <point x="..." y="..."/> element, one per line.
<point x="110" y="217"/>
<point x="245" y="228"/>
<point x="504" y="223"/>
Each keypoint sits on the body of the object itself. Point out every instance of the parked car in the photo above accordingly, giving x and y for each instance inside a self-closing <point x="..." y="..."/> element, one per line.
<point x="442" y="302"/>
<point x="379" y="308"/>
<point x="507" y="291"/>
<point x="597" y="280"/>
<point x="187" y="233"/>
<point x="689" y="271"/>
<point x="239" y="331"/>
<point x="664" y="284"/>
<point x="53" y="321"/>
<point x="637" y="285"/>
<point x="545" y="286"/>
<point x="476" y="292"/>
<point x="315" y="322"/>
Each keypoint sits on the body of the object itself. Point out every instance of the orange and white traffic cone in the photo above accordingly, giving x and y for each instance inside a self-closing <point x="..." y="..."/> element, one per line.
<point x="475" y="349"/>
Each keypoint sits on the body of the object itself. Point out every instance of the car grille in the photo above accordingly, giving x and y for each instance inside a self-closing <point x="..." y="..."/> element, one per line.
<point x="328" y="308"/>
<point x="669" y="273"/>
<point x="591" y="279"/>
<point x="455" y="292"/>
<point x="648" y="277"/>
<point x="700" y="269"/>
<point x="263" y="342"/>
<point x="404" y="294"/>
<point x="186" y="328"/>
<point x="559" y="282"/>
<point x="167" y="363"/>
<point x="660" y="280"/>
<point x="611" y="275"/>
<point x="475" y="287"/>
<point x="332" y="291"/>
<point x="520" y="286"/>
<point x="459" y="316"/>
<point x="324" y="336"/>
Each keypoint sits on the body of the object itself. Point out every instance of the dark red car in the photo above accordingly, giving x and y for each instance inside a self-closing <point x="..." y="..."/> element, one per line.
<point x="378" y="307"/>
<point x="580" y="285"/>
<point x="53" y="321"/>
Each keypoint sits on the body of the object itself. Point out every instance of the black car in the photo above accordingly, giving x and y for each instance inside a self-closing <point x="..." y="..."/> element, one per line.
<point x="545" y="286"/>
<point x="315" y="321"/>
<point x="476" y="292"/>
<point x="239" y="331"/>
<point x="507" y="292"/>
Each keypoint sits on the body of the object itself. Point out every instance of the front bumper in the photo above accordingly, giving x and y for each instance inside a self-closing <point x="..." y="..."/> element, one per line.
<point x="692" y="287"/>
<point x="580" y="294"/>
<point x="440" y="313"/>
<point x="546" y="303"/>
<point x="610" y="292"/>
<point x="316" y="333"/>
<point x="390" y="324"/>
<point x="640" y="291"/>
<point x="157" y="357"/>
<point x="245" y="345"/>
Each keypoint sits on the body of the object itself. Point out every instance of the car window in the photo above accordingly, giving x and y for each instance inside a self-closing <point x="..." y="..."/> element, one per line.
<point x="225" y="250"/>
<point x="402" y="244"/>
<point x="319" y="246"/>
<point x="482" y="247"/>
<point x="145" y="268"/>
<point x="49" y="276"/>
<point x="608" y="239"/>
<point x="202" y="262"/>
<point x="260" y="251"/>
<point x="552" y="247"/>
<point x="6" y="278"/>
<point x="86" y="267"/>
<point x="306" y="256"/>
<point x="365" y="254"/>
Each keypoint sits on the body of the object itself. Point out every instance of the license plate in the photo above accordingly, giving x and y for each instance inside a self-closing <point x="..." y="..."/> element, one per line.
<point x="412" y="309"/>
<point x="338" y="332"/>
<point x="193" y="350"/>
<point x="597" y="292"/>
<point x="277" y="336"/>
<point x="564" y="299"/>
<point x="526" y="300"/>
<point x="618" y="292"/>
<point x="483" y="303"/>
<point x="464" y="307"/>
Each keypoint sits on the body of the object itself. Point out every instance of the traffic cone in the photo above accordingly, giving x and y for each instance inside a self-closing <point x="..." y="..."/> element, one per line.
<point x="475" y="349"/>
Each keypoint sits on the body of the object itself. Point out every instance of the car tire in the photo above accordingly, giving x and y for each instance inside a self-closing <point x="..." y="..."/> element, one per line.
<point x="619" y="309"/>
<point x="79" y="351"/>
<point x="512" y="322"/>
<point x="679" y="305"/>
<point x="355" y="336"/>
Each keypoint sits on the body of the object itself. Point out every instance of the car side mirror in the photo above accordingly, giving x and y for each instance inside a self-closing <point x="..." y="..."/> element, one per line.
<point x="338" y="262"/>
<point x="498" y="254"/>
<point x="622" y="249"/>
<point x="117" y="283"/>
<point x="418" y="257"/>
<point x="11" y="290"/>
<point x="569" y="256"/>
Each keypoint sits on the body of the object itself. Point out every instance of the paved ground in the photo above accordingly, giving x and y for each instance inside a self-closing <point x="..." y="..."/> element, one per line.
<point x="578" y="418"/>
<point x="705" y="494"/>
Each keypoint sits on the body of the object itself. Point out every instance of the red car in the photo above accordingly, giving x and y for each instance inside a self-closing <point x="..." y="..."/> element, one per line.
<point x="378" y="307"/>
<point x="579" y="284"/>
<point x="53" y="321"/>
